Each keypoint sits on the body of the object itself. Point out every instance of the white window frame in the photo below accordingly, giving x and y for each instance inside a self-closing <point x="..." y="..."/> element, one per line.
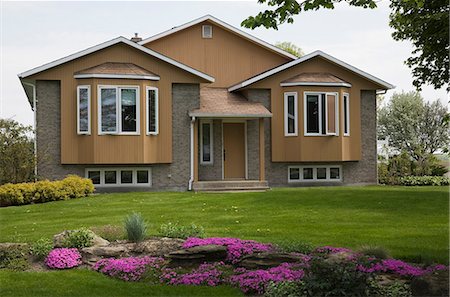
<point x="346" y="105"/>
<point x="211" y="139"/>
<point x="305" y="113"/>
<point x="203" y="31"/>
<point x="88" y="132"/>
<point x="314" y="179"/>
<point x="118" y="181"/>
<point x="286" y="114"/>
<point x="118" y="109"/>
<point x="147" y="115"/>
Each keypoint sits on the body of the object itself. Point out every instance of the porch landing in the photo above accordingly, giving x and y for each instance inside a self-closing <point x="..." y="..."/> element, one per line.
<point x="230" y="185"/>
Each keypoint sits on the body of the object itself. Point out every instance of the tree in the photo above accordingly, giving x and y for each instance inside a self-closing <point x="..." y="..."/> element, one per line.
<point x="413" y="126"/>
<point x="290" y="48"/>
<point x="16" y="152"/>
<point x="423" y="22"/>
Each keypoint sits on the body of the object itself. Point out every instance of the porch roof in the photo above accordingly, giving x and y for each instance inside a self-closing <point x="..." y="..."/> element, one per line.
<point x="117" y="70"/>
<point x="314" y="78"/>
<point x="219" y="103"/>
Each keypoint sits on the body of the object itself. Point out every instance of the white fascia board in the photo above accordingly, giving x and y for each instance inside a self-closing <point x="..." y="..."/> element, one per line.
<point x="323" y="84"/>
<point x="223" y="24"/>
<point x="110" y="43"/>
<point x="123" y="76"/>
<point x="224" y="115"/>
<point x="305" y="58"/>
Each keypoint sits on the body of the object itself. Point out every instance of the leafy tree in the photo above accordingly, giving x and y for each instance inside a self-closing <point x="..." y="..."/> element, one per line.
<point x="290" y="48"/>
<point x="16" y="152"/>
<point x="423" y="22"/>
<point x="413" y="126"/>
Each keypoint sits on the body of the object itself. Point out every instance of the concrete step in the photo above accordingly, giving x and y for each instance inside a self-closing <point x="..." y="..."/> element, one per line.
<point x="230" y="185"/>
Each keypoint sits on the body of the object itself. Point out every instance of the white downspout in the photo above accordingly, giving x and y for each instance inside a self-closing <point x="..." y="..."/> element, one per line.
<point x="33" y="87"/>
<point x="191" y="179"/>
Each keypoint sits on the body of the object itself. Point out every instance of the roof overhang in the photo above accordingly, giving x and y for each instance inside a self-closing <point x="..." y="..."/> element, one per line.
<point x="224" y="25"/>
<point x="385" y="85"/>
<point x="118" y="76"/>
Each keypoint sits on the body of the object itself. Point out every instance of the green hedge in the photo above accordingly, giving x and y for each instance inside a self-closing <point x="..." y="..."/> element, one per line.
<point x="72" y="186"/>
<point x="424" y="181"/>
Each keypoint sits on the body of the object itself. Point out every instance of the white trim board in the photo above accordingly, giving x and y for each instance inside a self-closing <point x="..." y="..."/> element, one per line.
<point x="322" y="84"/>
<point x="109" y="43"/>
<point x="226" y="26"/>
<point x="123" y="76"/>
<point x="306" y="58"/>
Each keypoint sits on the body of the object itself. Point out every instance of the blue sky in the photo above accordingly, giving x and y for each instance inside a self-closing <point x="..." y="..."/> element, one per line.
<point x="34" y="33"/>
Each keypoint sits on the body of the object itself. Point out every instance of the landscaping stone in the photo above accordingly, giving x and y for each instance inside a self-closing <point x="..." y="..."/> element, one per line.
<point x="90" y="255"/>
<point x="197" y="255"/>
<point x="158" y="246"/>
<point x="433" y="284"/>
<point x="59" y="239"/>
<point x="339" y="257"/>
<point x="267" y="260"/>
<point x="4" y="246"/>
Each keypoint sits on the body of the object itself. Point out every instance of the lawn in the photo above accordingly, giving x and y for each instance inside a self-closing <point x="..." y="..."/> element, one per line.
<point x="412" y="223"/>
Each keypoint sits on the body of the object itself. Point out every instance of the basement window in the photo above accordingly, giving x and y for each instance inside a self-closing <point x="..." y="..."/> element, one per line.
<point x="207" y="31"/>
<point x="120" y="177"/>
<point x="84" y="110"/>
<point x="321" y="113"/>
<point x="331" y="173"/>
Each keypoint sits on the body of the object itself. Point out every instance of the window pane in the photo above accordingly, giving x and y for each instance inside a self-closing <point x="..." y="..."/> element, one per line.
<point x="321" y="173"/>
<point x="334" y="173"/>
<point x="307" y="173"/>
<point x="322" y="113"/>
<point x="108" y="105"/>
<point x="206" y="138"/>
<point x="128" y="100"/>
<point x="312" y="113"/>
<point x="345" y="114"/>
<point x="151" y="110"/>
<point x="110" y="177"/>
<point x="294" y="173"/>
<point x="83" y="110"/>
<point x="291" y="114"/>
<point x="331" y="110"/>
<point x="126" y="177"/>
<point x="142" y="176"/>
<point x="94" y="176"/>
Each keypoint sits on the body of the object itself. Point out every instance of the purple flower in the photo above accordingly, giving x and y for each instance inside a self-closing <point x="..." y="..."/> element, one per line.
<point x="332" y="250"/>
<point x="63" y="258"/>
<point x="205" y="274"/>
<point x="398" y="267"/>
<point x="128" y="269"/>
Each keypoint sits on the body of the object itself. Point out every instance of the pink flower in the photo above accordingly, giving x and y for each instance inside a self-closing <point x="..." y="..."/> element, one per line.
<point x="398" y="267"/>
<point x="206" y="274"/>
<point x="128" y="269"/>
<point x="63" y="258"/>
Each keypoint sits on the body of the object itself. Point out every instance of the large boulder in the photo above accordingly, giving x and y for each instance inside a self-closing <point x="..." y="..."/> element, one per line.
<point x="197" y="255"/>
<point x="267" y="260"/>
<point x="432" y="284"/>
<point x="60" y="238"/>
<point x="90" y="255"/>
<point x="158" y="246"/>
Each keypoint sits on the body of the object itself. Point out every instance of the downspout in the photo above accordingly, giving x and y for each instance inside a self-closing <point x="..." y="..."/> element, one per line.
<point x="191" y="179"/>
<point x="33" y="87"/>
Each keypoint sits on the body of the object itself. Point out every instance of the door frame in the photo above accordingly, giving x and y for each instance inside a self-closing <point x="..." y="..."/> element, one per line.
<point x="245" y="144"/>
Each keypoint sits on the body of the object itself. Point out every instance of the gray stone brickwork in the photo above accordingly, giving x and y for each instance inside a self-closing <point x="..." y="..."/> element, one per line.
<point x="253" y="149"/>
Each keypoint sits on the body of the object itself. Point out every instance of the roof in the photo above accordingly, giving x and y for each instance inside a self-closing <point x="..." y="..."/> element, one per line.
<point x="224" y="25"/>
<point x="218" y="102"/>
<point x="307" y="57"/>
<point x="109" y="43"/>
<point x="117" y="70"/>
<point x="315" y="79"/>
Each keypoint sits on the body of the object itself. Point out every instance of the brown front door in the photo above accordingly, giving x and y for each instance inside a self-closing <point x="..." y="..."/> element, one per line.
<point x="234" y="150"/>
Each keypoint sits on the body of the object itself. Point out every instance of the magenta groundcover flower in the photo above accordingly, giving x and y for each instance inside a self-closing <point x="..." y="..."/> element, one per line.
<point x="63" y="258"/>
<point x="399" y="267"/>
<point x="236" y="248"/>
<point x="332" y="250"/>
<point x="206" y="274"/>
<point x="128" y="269"/>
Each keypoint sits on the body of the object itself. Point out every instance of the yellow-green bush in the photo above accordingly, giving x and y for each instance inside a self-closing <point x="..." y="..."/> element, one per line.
<point x="44" y="191"/>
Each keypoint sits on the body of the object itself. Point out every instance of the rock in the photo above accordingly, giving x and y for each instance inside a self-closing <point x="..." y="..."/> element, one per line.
<point x="339" y="257"/>
<point x="158" y="246"/>
<point x="59" y="239"/>
<point x="433" y="284"/>
<point x="267" y="259"/>
<point x="90" y="255"/>
<point x="4" y="246"/>
<point x="197" y="255"/>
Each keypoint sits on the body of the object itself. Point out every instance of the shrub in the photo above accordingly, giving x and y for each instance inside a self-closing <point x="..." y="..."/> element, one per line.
<point x="79" y="238"/>
<point x="295" y="247"/>
<point x="135" y="227"/>
<point x="63" y="258"/>
<point x="14" y="257"/>
<point x="285" y="289"/>
<point x="109" y="232"/>
<point x="128" y="269"/>
<point x="175" y="230"/>
<point x="424" y="181"/>
<point x="44" y="191"/>
<point x="394" y="289"/>
<point x="374" y="251"/>
<point x="41" y="248"/>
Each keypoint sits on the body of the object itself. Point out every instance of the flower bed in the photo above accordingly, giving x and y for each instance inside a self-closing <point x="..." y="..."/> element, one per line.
<point x="398" y="267"/>
<point x="63" y="258"/>
<point x="128" y="269"/>
<point x="206" y="274"/>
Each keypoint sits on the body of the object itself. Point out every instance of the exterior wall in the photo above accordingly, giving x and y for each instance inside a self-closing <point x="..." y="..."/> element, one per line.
<point x="227" y="57"/>
<point x="213" y="171"/>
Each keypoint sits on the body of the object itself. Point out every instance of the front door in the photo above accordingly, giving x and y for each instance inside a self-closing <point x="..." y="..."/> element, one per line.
<point x="234" y="150"/>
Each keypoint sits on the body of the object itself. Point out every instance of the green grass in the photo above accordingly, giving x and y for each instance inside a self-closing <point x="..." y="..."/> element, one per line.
<point x="412" y="223"/>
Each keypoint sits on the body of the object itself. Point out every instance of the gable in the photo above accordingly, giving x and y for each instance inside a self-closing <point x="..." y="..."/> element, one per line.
<point x="228" y="56"/>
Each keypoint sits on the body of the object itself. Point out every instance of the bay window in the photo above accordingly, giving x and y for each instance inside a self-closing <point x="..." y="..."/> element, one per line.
<point x="321" y="116"/>
<point x="346" y="99"/>
<point x="152" y="110"/>
<point x="290" y="114"/>
<point x="84" y="109"/>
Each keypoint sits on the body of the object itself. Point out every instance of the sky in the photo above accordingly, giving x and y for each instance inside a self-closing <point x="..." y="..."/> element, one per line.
<point x="35" y="33"/>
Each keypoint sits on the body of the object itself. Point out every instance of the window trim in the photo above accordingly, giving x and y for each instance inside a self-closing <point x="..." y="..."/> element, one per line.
<point x="118" y="109"/>
<point x="211" y="146"/>
<point x="118" y="178"/>
<point x="286" y="115"/>
<point x="314" y="179"/>
<point x="88" y="132"/>
<point x="203" y="32"/>
<point x="147" y="115"/>
<point x="346" y="105"/>
<point x="305" y="116"/>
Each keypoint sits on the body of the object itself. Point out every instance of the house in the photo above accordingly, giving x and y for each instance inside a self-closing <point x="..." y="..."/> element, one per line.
<point x="200" y="106"/>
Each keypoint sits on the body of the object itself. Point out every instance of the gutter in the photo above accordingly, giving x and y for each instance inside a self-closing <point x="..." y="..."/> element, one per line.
<point x="33" y="87"/>
<point x="191" y="179"/>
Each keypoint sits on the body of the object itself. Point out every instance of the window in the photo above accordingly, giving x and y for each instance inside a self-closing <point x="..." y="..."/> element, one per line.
<point x="290" y="114"/>
<point x="207" y="31"/>
<point x="314" y="173"/>
<point x="116" y="177"/>
<point x="321" y="113"/>
<point x="346" y="114"/>
<point x="152" y="110"/>
<point x="118" y="110"/>
<point x="84" y="109"/>
<point x="206" y="143"/>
